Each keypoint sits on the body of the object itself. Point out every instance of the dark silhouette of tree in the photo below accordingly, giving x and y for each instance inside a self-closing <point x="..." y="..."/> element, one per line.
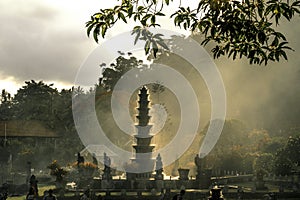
<point x="41" y="102"/>
<point x="34" y="101"/>
<point x="157" y="88"/>
<point x="5" y="106"/>
<point x="5" y="96"/>
<point x="115" y="71"/>
<point x="288" y="158"/>
<point x="263" y="164"/>
<point x="37" y="101"/>
<point x="236" y="28"/>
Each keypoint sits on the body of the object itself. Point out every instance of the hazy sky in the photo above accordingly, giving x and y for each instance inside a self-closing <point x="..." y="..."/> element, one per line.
<point x="46" y="40"/>
<point x="42" y="40"/>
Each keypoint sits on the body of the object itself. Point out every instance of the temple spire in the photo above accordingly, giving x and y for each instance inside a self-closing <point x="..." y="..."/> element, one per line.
<point x="143" y="108"/>
<point x="143" y="147"/>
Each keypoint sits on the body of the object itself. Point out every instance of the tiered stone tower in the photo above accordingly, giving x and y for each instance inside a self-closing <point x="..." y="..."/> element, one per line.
<point x="143" y="160"/>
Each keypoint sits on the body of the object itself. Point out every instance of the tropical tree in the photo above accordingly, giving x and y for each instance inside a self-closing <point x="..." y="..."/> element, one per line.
<point x="287" y="158"/>
<point x="257" y="139"/>
<point x="157" y="88"/>
<point x="282" y="164"/>
<point x="233" y="137"/>
<point x="273" y="145"/>
<point x="236" y="28"/>
<point x="231" y="161"/>
<point x="62" y="112"/>
<point x="116" y="70"/>
<point x="5" y="106"/>
<point x="34" y="101"/>
<point x="263" y="165"/>
<point x="5" y="96"/>
<point x="42" y="102"/>
<point x="292" y="149"/>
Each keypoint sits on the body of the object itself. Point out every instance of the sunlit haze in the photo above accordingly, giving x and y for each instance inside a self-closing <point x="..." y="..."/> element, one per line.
<point x="46" y="40"/>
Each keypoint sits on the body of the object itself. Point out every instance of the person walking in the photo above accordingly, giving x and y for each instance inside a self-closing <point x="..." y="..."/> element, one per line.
<point x="31" y="194"/>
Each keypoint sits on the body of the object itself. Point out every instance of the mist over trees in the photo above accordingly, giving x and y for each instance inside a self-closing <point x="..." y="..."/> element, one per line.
<point x="43" y="104"/>
<point x="263" y="112"/>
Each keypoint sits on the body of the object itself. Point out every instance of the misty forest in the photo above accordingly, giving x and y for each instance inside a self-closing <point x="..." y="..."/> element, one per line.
<point x="260" y="134"/>
<point x="256" y="156"/>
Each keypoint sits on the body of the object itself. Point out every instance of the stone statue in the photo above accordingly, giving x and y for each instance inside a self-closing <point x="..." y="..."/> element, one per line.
<point x="159" y="168"/>
<point x="80" y="159"/>
<point x="198" y="163"/>
<point x="107" y="161"/>
<point x="95" y="161"/>
<point x="158" y="164"/>
<point x="107" y="171"/>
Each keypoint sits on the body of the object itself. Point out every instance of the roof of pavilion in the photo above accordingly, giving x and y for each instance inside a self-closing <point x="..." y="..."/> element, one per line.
<point x="24" y="128"/>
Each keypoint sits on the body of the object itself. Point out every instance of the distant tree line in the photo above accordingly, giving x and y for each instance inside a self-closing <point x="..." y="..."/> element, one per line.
<point x="37" y="101"/>
<point x="240" y="148"/>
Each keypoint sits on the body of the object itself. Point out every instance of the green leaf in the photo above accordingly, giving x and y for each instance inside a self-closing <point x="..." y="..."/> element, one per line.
<point x="282" y="44"/>
<point x="279" y="35"/>
<point x="234" y="55"/>
<point x="261" y="37"/>
<point x="275" y="42"/>
<point x="213" y="31"/>
<point x="153" y="19"/>
<point x="147" y="47"/>
<point x="145" y="18"/>
<point x="160" y="14"/>
<point x="104" y="29"/>
<point x="158" y="35"/>
<point x="140" y="8"/>
<point x="121" y="15"/>
<point x="89" y="30"/>
<point x="205" y="41"/>
<point x="277" y="55"/>
<point x="130" y="11"/>
<point x="137" y="37"/>
<point x="284" y="55"/>
<point x="154" y="48"/>
<point x="162" y="44"/>
<point x="95" y="34"/>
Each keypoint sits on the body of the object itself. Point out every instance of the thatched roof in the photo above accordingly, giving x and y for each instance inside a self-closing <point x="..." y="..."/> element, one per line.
<point x="19" y="128"/>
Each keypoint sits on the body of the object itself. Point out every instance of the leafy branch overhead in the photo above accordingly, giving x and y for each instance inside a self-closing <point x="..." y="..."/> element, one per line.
<point x="244" y="28"/>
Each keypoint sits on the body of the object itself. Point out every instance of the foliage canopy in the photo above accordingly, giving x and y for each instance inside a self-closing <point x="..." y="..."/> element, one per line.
<point x="245" y="28"/>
